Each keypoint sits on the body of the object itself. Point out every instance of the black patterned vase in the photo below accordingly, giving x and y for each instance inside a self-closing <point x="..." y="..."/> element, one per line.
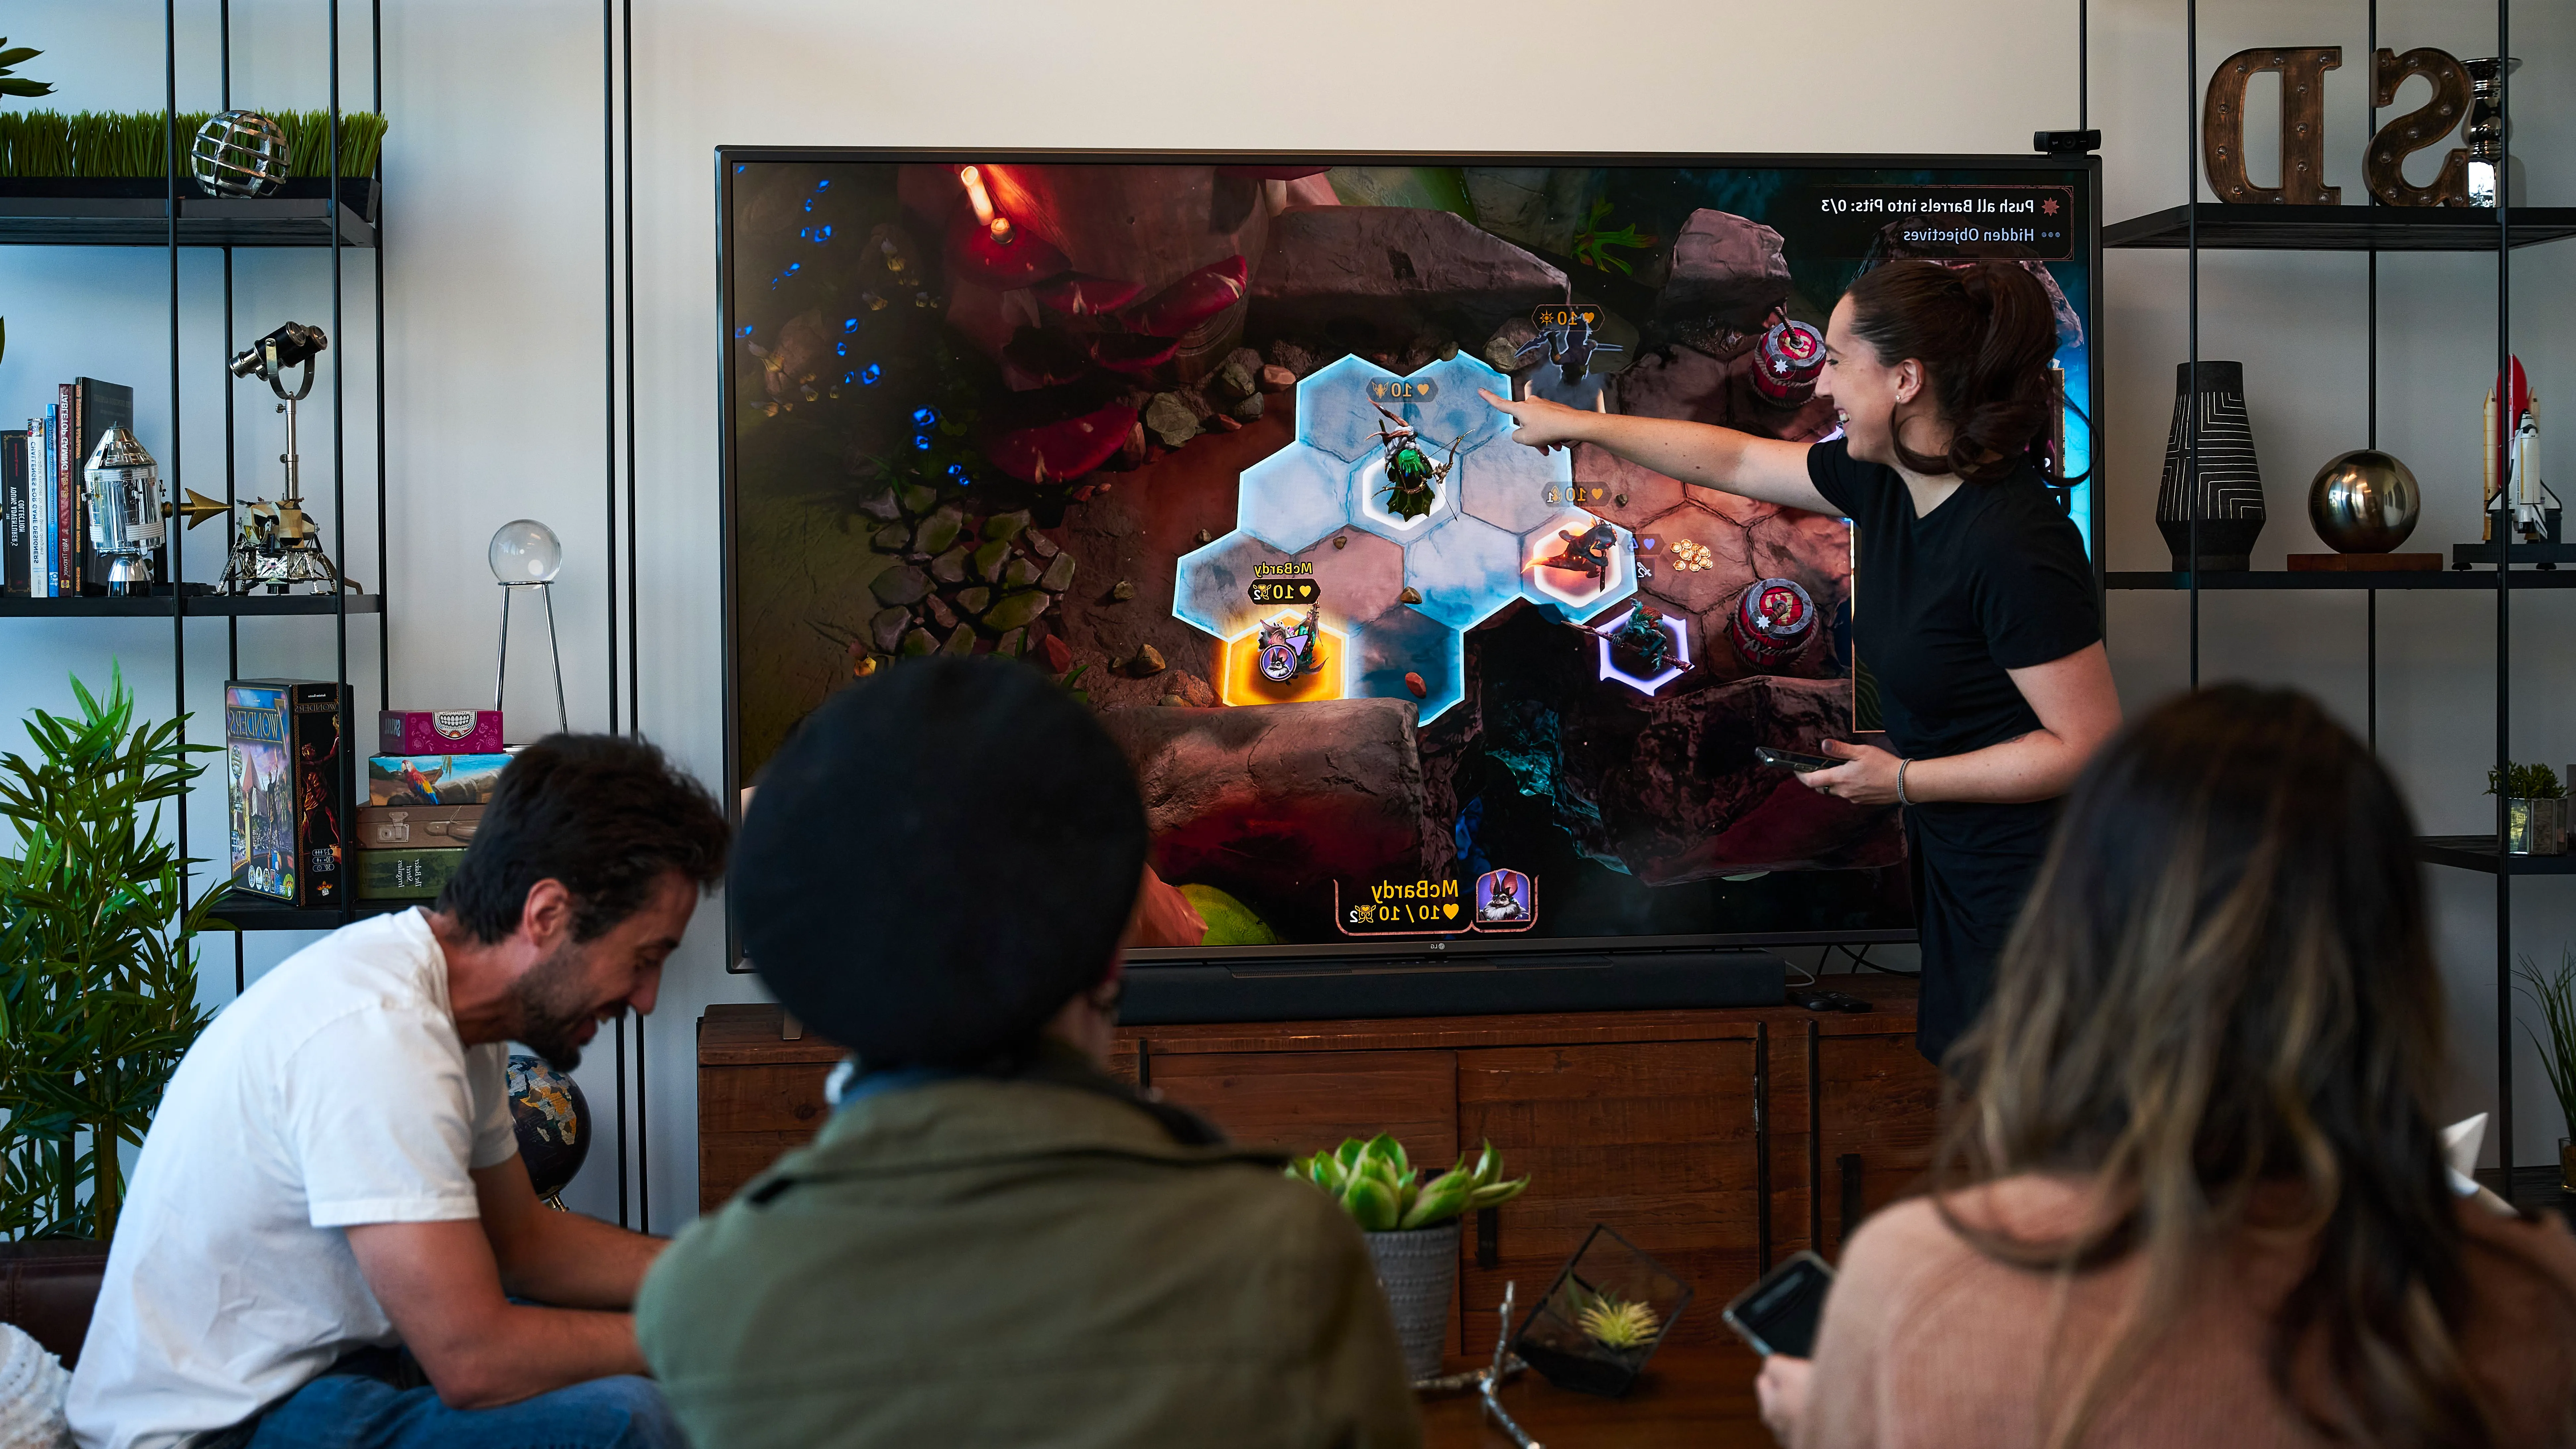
<point x="2227" y="487"/>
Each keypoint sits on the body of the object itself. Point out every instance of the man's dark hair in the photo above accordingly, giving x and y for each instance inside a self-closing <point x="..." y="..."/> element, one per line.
<point x="943" y="856"/>
<point x="605" y="815"/>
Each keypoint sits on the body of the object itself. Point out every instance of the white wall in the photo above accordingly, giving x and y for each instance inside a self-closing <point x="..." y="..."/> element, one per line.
<point x="494" y="308"/>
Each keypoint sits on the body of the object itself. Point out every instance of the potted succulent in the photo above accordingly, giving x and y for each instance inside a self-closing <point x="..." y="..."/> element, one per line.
<point x="2555" y="995"/>
<point x="1603" y="1318"/>
<point x="1411" y="1223"/>
<point x="2535" y="809"/>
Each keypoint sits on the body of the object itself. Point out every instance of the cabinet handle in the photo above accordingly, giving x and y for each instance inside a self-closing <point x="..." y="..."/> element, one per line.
<point x="1489" y="1232"/>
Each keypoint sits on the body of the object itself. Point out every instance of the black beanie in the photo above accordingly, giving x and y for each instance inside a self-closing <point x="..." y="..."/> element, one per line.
<point x="943" y="855"/>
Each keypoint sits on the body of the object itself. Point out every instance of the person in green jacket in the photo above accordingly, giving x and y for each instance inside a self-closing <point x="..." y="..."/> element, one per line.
<point x="992" y="1241"/>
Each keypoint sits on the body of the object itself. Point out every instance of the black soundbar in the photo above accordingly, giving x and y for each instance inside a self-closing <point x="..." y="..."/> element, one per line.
<point x="1164" y="994"/>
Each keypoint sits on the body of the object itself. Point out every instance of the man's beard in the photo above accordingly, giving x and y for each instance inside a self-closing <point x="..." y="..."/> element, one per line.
<point x="553" y="1008"/>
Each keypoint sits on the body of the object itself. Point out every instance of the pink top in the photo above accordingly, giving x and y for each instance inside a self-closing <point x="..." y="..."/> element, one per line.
<point x="1929" y="1344"/>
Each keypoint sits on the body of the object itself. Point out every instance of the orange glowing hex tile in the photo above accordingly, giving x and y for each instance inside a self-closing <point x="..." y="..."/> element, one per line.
<point x="1239" y="679"/>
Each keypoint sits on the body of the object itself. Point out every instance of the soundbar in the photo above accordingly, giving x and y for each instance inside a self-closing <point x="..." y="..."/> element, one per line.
<point x="1325" y="988"/>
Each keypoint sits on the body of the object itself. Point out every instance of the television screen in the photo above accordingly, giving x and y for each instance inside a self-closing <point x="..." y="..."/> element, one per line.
<point x="1202" y="438"/>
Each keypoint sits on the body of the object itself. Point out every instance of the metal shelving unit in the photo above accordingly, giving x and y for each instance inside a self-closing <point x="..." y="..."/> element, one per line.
<point x="335" y="214"/>
<point x="2200" y="226"/>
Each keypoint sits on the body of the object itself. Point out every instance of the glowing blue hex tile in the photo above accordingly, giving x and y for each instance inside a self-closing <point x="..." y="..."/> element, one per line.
<point x="1212" y="586"/>
<point x="1567" y="594"/>
<point x="1453" y="410"/>
<point x="1465" y="570"/>
<point x="1334" y="412"/>
<point x="1293" y="497"/>
<point x="1514" y="488"/>
<point x="1368" y="502"/>
<point x="1405" y="641"/>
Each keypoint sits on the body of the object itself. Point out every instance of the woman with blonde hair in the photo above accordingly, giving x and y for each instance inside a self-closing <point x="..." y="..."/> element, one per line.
<point x="2195" y="1193"/>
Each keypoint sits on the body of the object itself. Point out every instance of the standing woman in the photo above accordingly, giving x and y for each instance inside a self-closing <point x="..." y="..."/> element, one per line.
<point x="1974" y="603"/>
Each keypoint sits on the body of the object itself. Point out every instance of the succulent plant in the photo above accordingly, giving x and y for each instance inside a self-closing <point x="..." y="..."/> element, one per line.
<point x="1382" y="1191"/>
<point x="1614" y="1322"/>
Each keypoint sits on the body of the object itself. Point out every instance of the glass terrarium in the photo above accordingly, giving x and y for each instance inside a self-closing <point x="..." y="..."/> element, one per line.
<point x="1608" y="1310"/>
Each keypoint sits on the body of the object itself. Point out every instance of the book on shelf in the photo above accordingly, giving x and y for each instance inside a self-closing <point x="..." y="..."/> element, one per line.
<point x="96" y="407"/>
<point x="13" y="515"/>
<point x="46" y="525"/>
<point x="70" y="518"/>
<point x="288" y="779"/>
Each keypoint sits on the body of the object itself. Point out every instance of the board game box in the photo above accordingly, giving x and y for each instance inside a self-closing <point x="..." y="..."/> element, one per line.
<point x="406" y="875"/>
<point x="288" y="784"/>
<point x="431" y="731"/>
<point x="434" y="779"/>
<point x="385" y="827"/>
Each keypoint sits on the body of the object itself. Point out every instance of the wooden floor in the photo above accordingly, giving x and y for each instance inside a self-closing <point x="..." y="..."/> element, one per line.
<point x="1693" y="1395"/>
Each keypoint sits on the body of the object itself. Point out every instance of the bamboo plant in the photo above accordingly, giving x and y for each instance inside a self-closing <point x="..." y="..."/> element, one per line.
<point x="1378" y="1186"/>
<point x="97" y="963"/>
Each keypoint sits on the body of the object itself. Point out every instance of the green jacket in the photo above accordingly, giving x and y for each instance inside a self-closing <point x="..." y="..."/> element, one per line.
<point x="1029" y="1262"/>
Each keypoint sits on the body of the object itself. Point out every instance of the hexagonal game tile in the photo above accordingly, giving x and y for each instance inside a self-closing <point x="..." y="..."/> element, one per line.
<point x="1293" y="497"/>
<point x="1508" y="485"/>
<point x="1646" y="684"/>
<point x="1361" y="579"/>
<point x="1566" y="593"/>
<point x="1242" y="680"/>
<point x="1405" y="641"/>
<point x="1368" y="502"/>
<point x="1333" y="410"/>
<point x="1465" y="569"/>
<point x="1453" y="410"/>
<point x="1701" y="589"/>
<point x="1212" y="586"/>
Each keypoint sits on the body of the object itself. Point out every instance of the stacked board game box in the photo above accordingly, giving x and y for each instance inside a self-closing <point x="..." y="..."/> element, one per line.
<point x="422" y="808"/>
<point x="289" y="787"/>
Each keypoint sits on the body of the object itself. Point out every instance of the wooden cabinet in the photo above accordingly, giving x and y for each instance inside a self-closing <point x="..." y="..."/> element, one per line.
<point x="1716" y="1140"/>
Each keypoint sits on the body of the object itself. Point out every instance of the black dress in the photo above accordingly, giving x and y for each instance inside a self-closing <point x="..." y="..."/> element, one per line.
<point x="1993" y="579"/>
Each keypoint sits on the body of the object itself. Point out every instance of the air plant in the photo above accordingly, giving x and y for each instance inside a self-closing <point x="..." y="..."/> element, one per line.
<point x="1612" y="1321"/>
<point x="1379" y="1187"/>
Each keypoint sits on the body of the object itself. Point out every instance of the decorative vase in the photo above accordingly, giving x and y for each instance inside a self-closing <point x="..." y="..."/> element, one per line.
<point x="2227" y="489"/>
<point x="2535" y="826"/>
<point x="2364" y="501"/>
<point x="1418" y="1269"/>
<point x="1604" y="1316"/>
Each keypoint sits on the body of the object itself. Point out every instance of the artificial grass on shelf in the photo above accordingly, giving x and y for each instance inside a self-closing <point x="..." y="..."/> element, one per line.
<point x="135" y="143"/>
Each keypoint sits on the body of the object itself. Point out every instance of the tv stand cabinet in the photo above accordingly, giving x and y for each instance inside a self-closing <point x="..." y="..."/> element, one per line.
<point x="1718" y="1140"/>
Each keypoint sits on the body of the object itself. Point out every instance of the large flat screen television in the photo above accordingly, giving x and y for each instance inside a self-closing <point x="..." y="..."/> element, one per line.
<point x="1200" y="435"/>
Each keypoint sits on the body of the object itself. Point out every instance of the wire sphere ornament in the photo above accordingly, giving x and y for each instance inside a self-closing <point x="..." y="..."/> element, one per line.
<point x="239" y="153"/>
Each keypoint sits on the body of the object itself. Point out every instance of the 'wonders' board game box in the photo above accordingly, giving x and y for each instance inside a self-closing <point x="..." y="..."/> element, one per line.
<point x="287" y="764"/>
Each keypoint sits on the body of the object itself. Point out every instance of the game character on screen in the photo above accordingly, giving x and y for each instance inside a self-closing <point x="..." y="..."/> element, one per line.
<point x="1639" y="642"/>
<point x="1502" y="895"/>
<point x="1287" y="653"/>
<point x="1570" y="348"/>
<point x="1411" y="476"/>
<point x="1586" y="553"/>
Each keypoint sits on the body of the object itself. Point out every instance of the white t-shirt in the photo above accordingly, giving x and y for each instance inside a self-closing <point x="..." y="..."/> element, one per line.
<point x="333" y="1092"/>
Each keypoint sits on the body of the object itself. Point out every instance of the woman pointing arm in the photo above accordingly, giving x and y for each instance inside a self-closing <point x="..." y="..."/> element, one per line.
<point x="1973" y="604"/>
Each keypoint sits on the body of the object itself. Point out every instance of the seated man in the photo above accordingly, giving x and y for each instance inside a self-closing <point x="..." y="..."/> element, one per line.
<point x="330" y="1203"/>
<point x="992" y="1241"/>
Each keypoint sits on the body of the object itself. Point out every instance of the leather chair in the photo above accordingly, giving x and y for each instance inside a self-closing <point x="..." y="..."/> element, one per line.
<point x="48" y="1286"/>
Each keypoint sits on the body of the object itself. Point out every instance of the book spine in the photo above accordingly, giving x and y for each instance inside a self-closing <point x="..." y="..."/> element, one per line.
<point x="13" y="499"/>
<point x="101" y="406"/>
<point x="67" y="496"/>
<point x="48" y="522"/>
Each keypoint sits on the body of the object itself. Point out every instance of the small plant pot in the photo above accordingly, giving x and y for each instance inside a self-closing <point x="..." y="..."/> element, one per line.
<point x="2535" y="827"/>
<point x="1419" y="1272"/>
<point x="1558" y="1339"/>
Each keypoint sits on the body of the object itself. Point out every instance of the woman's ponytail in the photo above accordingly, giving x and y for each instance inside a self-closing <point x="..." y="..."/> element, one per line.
<point x="1984" y="332"/>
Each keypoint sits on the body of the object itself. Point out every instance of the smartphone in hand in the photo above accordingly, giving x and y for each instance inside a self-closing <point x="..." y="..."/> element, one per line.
<point x="1779" y="1313"/>
<point x="1797" y="760"/>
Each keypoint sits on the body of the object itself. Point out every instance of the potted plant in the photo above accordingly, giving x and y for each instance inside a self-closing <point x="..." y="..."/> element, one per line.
<point x="1605" y="1315"/>
<point x="98" y="982"/>
<point x="2535" y="809"/>
<point x="1411" y="1223"/>
<point x="2555" y="995"/>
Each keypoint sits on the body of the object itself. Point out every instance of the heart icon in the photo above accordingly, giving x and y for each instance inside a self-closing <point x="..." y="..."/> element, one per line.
<point x="1450" y="910"/>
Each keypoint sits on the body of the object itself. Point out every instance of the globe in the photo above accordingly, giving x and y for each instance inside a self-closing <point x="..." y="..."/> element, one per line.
<point x="553" y="1121"/>
<point x="525" y="551"/>
<point x="239" y="153"/>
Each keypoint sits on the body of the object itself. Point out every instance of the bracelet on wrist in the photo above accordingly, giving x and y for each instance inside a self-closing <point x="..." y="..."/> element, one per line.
<point x="1900" y="782"/>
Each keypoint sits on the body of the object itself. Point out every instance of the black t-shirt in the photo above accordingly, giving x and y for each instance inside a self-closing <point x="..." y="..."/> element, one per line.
<point x="1993" y="579"/>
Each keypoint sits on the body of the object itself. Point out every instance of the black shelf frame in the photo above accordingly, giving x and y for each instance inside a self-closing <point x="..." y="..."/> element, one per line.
<point x="194" y="606"/>
<point x="239" y="911"/>
<point x="2236" y="226"/>
<point x="2197" y="226"/>
<point x="270" y="221"/>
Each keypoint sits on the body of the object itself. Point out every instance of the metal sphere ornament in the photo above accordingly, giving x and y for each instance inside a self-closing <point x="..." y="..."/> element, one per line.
<point x="2364" y="501"/>
<point x="239" y="153"/>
